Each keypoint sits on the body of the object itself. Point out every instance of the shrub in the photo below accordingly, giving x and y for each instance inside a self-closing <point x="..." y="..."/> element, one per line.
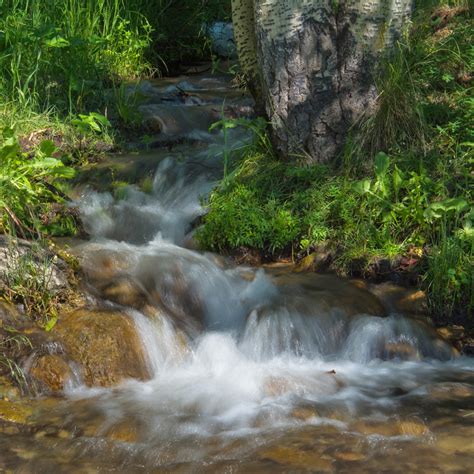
<point x="29" y="186"/>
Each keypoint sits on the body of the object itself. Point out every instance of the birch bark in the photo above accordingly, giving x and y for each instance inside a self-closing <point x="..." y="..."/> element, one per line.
<point x="313" y="63"/>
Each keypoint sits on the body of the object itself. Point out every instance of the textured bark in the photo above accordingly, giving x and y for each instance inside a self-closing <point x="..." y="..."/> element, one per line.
<point x="316" y="60"/>
<point x="243" y="15"/>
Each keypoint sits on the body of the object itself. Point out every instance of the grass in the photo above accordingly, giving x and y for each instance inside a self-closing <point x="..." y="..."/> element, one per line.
<point x="404" y="191"/>
<point x="59" y="59"/>
<point x="64" y="66"/>
<point x="31" y="280"/>
<point x="11" y="342"/>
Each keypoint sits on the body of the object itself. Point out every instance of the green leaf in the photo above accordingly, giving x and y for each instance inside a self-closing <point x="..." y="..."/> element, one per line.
<point x="47" y="147"/>
<point x="56" y="42"/>
<point x="363" y="186"/>
<point x="397" y="179"/>
<point x="50" y="324"/>
<point x="382" y="162"/>
<point x="65" y="172"/>
<point x="102" y="119"/>
<point x="47" y="162"/>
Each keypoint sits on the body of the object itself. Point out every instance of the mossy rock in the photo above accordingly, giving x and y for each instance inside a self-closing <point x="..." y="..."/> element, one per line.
<point x="15" y="412"/>
<point x="105" y="344"/>
<point x="52" y="372"/>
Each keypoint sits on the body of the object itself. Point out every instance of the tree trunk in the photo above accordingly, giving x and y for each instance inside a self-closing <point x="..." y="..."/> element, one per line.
<point x="315" y="61"/>
<point x="243" y="17"/>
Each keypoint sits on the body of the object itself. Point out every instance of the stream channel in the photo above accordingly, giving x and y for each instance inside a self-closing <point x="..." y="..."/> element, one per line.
<point x="250" y="369"/>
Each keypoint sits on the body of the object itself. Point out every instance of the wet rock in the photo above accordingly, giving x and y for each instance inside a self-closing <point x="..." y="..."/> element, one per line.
<point x="375" y="428"/>
<point x="296" y="458"/>
<point x="126" y="292"/>
<point x="412" y="428"/>
<point x="400" y="351"/>
<point x="413" y="302"/>
<point x="8" y="391"/>
<point x="101" y="265"/>
<point x="458" y="443"/>
<point x="15" y="412"/>
<point x="315" y="262"/>
<point x="152" y="124"/>
<point x="358" y="283"/>
<point x="324" y="383"/>
<point x="304" y="413"/>
<point x="52" y="372"/>
<point x="124" y="432"/>
<point x="401" y="300"/>
<point x="350" y="456"/>
<point x="276" y="386"/>
<point x="222" y="39"/>
<point x="451" y="333"/>
<point x="449" y="391"/>
<point x="326" y="292"/>
<point x="105" y="344"/>
<point x="390" y="428"/>
<point x="459" y="337"/>
<point x="10" y="316"/>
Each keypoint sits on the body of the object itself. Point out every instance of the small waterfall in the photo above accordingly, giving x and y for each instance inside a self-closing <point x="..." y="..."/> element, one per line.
<point x="235" y="351"/>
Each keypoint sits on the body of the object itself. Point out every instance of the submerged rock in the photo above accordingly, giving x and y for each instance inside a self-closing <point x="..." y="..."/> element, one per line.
<point x="297" y="459"/>
<point x="401" y="300"/>
<point x="401" y="350"/>
<point x="15" y="412"/>
<point x="105" y="344"/>
<point x="390" y="428"/>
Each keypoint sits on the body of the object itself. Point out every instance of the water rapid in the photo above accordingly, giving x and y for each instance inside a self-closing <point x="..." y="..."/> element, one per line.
<point x="252" y="369"/>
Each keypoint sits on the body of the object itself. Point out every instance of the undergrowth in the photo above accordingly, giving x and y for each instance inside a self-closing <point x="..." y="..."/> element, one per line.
<point x="31" y="199"/>
<point x="29" y="281"/>
<point x="405" y="188"/>
<point x="60" y="61"/>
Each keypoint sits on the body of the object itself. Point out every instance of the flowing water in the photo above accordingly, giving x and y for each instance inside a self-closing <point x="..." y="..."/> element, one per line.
<point x="251" y="370"/>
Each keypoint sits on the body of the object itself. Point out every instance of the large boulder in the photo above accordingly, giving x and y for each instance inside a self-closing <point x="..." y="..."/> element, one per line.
<point x="105" y="344"/>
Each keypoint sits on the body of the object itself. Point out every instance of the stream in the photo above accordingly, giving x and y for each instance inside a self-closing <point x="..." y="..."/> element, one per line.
<point x="250" y="369"/>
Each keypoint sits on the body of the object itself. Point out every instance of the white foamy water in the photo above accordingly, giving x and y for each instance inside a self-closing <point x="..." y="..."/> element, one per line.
<point x="233" y="352"/>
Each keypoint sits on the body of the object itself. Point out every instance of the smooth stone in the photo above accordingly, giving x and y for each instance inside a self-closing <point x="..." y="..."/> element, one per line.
<point x="350" y="456"/>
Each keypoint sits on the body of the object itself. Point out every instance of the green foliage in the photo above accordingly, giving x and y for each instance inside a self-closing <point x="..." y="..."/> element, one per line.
<point x="12" y="341"/>
<point x="407" y="186"/>
<point x="28" y="281"/>
<point x="126" y="104"/>
<point x="92" y="122"/>
<point x="64" y="54"/>
<point x="450" y="276"/>
<point x="29" y="185"/>
<point x="179" y="26"/>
